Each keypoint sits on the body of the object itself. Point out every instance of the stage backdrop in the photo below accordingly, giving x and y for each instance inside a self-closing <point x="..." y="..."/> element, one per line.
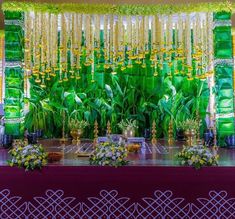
<point x="112" y="62"/>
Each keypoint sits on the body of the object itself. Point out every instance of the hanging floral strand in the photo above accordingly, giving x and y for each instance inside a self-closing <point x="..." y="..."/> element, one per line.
<point x="54" y="44"/>
<point x="92" y="43"/>
<point x="188" y="46"/>
<point x="78" y="43"/>
<point x="106" y="41"/>
<point x="27" y="56"/>
<point x="127" y="40"/>
<point x="211" y="78"/>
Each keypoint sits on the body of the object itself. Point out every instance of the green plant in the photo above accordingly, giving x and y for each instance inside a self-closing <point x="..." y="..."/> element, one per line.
<point x="128" y="124"/>
<point x="189" y="124"/>
<point x="132" y="94"/>
<point x="76" y="124"/>
<point x="29" y="157"/>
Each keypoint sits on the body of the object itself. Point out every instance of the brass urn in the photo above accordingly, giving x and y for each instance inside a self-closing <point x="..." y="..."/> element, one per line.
<point x="76" y="134"/>
<point x="190" y="136"/>
<point x="129" y="132"/>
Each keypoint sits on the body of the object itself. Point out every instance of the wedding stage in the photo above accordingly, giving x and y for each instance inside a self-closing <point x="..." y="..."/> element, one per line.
<point x="96" y="97"/>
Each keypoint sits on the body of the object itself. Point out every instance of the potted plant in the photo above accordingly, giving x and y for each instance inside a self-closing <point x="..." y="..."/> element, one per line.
<point x="190" y="128"/>
<point x="128" y="127"/>
<point x="76" y="129"/>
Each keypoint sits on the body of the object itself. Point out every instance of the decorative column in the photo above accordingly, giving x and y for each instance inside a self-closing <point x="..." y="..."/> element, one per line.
<point x="2" y="50"/>
<point x="223" y="66"/>
<point x="233" y="35"/>
<point x="14" y="77"/>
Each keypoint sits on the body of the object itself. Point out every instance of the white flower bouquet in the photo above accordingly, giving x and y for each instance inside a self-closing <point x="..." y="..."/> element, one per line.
<point x="128" y="124"/>
<point x="198" y="156"/>
<point x="29" y="157"/>
<point x="109" y="154"/>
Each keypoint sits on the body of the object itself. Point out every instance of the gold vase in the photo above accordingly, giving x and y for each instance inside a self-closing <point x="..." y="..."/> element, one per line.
<point x="129" y="133"/>
<point x="76" y="134"/>
<point x="190" y="136"/>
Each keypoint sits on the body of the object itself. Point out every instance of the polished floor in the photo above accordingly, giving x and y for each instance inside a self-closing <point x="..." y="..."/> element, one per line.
<point x="160" y="155"/>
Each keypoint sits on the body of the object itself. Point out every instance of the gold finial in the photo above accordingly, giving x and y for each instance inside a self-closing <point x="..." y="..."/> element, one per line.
<point x="154" y="132"/>
<point x="63" y="139"/>
<point x="109" y="130"/>
<point x="199" y="142"/>
<point x="96" y="131"/>
<point x="214" y="132"/>
<point x="170" y="133"/>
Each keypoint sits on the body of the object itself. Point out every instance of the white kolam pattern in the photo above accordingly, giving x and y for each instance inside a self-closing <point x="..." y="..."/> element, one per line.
<point x="54" y="204"/>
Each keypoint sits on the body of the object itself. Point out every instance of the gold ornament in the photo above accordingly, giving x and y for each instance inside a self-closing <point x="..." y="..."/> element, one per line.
<point x="109" y="130"/>
<point x="154" y="132"/>
<point x="96" y="131"/>
<point x="170" y="133"/>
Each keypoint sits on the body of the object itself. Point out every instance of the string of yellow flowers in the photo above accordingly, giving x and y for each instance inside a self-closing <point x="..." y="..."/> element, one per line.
<point x="127" y="40"/>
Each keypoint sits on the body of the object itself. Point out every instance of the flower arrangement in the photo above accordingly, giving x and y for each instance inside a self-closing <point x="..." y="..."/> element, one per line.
<point x="110" y="154"/>
<point x="75" y="124"/>
<point x="127" y="124"/>
<point x="29" y="157"/>
<point x="198" y="156"/>
<point x="188" y="124"/>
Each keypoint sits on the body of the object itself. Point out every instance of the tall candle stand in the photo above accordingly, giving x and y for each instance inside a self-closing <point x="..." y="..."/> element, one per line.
<point x="96" y="131"/>
<point x="170" y="133"/>
<point x="63" y="139"/>
<point x="199" y="142"/>
<point x="154" y="132"/>
<point x="109" y="130"/>
<point x="214" y="132"/>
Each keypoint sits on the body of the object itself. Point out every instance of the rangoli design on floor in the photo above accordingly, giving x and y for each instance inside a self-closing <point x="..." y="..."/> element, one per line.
<point x="54" y="204"/>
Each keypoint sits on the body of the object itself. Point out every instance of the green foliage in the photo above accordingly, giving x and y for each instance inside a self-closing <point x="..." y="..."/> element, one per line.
<point x="131" y="94"/>
<point x="118" y="9"/>
<point x="45" y="110"/>
<point x="121" y="97"/>
<point x="189" y="124"/>
<point x="128" y="124"/>
<point x="76" y="124"/>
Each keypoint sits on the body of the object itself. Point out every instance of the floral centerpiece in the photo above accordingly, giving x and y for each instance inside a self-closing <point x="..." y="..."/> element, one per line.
<point x="76" y="129"/>
<point x="188" y="124"/>
<point x="198" y="156"/>
<point x="29" y="157"/>
<point x="110" y="154"/>
<point x="128" y="127"/>
<point x="76" y="124"/>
